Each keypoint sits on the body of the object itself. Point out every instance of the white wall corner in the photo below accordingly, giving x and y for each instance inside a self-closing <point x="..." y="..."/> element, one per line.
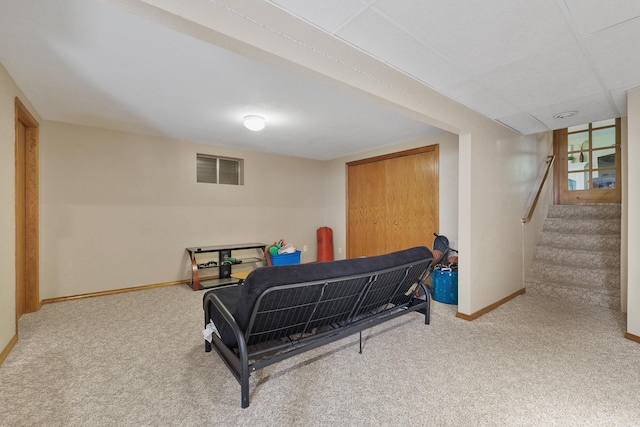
<point x="633" y="214"/>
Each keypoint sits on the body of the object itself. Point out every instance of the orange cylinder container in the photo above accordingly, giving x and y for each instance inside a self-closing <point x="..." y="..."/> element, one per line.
<point x="325" y="244"/>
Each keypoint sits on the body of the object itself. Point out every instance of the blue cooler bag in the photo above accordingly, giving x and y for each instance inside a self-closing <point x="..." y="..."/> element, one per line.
<point x="444" y="286"/>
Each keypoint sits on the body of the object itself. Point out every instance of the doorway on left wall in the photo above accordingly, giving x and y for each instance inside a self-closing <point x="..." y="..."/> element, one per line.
<point x="27" y="208"/>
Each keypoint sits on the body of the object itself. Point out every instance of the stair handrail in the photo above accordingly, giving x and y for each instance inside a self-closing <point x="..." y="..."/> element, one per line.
<point x="538" y="185"/>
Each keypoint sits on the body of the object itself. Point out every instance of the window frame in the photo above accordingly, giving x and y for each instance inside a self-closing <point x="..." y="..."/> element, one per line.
<point x="562" y="193"/>
<point x="215" y="162"/>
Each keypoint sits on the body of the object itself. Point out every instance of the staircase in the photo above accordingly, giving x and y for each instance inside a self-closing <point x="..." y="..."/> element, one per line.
<point x="578" y="256"/>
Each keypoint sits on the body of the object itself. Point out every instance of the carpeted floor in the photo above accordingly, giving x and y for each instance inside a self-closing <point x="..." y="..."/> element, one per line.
<point x="137" y="359"/>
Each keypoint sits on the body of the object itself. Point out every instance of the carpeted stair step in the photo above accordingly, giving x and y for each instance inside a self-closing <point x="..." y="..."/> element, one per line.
<point x="555" y="239"/>
<point x="578" y="257"/>
<point x="605" y="211"/>
<point x="602" y="297"/>
<point x="583" y="226"/>
<point x="575" y="276"/>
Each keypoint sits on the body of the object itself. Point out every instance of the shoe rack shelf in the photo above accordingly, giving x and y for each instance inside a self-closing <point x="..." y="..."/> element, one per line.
<point x="203" y="263"/>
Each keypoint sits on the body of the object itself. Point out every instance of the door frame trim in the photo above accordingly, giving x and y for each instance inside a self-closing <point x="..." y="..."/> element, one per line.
<point x="30" y="259"/>
<point x="410" y="152"/>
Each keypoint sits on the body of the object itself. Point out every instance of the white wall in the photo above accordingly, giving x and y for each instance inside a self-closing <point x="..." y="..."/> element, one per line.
<point x="624" y="220"/>
<point x="531" y="230"/>
<point x="119" y="209"/>
<point x="496" y="176"/>
<point x="8" y="91"/>
<point x="448" y="188"/>
<point x="632" y="214"/>
<point x="7" y="210"/>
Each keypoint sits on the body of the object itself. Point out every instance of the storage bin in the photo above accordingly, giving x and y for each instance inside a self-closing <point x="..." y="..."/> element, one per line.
<point x="285" y="259"/>
<point x="444" y="286"/>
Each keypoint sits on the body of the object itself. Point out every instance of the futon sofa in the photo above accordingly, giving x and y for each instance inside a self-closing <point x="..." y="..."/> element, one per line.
<point x="282" y="311"/>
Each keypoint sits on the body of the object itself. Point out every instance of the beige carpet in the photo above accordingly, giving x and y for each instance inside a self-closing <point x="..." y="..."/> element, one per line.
<point x="137" y="359"/>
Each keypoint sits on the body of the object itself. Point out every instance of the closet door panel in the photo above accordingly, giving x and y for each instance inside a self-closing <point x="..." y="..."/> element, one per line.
<point x="399" y="191"/>
<point x="367" y="209"/>
<point x="412" y="201"/>
<point x="392" y="202"/>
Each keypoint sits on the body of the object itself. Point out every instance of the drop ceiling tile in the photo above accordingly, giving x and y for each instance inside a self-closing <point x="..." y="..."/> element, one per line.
<point x="546" y="79"/>
<point x="523" y="123"/>
<point x="327" y="14"/>
<point x="482" y="35"/>
<point x="380" y="38"/>
<point x="591" y="16"/>
<point x="476" y="96"/>
<point x="616" y="54"/>
<point x="590" y="109"/>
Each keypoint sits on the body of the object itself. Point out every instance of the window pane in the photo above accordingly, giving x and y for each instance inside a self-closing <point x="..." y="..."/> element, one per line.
<point x="604" y="158"/>
<point x="578" y="128"/>
<point x="206" y="169"/>
<point x="604" y="179"/>
<point x="578" y="141"/>
<point x="604" y="138"/>
<point x="578" y="181"/>
<point x="609" y="122"/>
<point x="229" y="171"/>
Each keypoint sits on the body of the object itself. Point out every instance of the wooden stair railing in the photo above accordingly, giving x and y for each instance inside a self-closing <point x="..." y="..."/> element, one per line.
<point x="538" y="185"/>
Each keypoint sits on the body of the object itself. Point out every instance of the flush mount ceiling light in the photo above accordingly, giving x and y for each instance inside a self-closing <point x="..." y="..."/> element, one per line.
<point x="565" y="114"/>
<point x="254" y="123"/>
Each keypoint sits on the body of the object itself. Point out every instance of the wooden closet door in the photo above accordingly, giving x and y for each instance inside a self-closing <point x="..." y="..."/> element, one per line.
<point x="366" y="189"/>
<point x="412" y="201"/>
<point x="392" y="202"/>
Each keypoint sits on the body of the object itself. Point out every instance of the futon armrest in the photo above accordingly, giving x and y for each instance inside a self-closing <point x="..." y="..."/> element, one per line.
<point x="212" y="299"/>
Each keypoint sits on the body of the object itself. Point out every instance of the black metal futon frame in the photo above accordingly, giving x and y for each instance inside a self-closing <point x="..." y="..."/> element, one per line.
<point x="282" y="311"/>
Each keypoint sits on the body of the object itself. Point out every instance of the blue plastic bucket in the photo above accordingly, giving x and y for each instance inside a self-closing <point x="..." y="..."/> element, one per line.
<point x="285" y="259"/>
<point x="444" y="286"/>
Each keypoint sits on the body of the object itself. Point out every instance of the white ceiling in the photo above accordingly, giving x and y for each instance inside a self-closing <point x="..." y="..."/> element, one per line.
<point x="516" y="62"/>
